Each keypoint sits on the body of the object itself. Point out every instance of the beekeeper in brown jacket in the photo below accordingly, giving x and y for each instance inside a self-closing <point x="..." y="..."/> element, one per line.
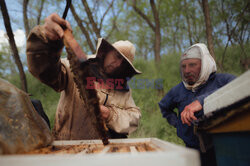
<point x="44" y="47"/>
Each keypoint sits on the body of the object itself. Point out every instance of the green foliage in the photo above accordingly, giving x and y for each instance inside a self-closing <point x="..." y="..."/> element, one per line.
<point x="234" y="55"/>
<point x="46" y="95"/>
<point x="152" y="124"/>
<point x="7" y="64"/>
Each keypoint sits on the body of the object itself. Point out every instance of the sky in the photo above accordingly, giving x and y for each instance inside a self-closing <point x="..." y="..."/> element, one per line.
<point x="15" y="10"/>
<point x="19" y="36"/>
<point x="16" y="16"/>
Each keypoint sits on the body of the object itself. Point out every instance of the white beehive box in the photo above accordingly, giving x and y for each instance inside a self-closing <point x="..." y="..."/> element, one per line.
<point x="157" y="153"/>
<point x="231" y="93"/>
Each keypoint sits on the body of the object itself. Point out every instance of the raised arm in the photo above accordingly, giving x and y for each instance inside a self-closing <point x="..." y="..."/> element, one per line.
<point x="44" y="46"/>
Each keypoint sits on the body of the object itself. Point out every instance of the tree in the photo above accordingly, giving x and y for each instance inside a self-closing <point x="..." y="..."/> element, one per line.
<point x="236" y="23"/>
<point x="83" y="29"/>
<point x="91" y="33"/>
<point x="209" y="28"/>
<point x="7" y="66"/>
<point x="25" y="18"/>
<point x="31" y="19"/>
<point x="155" y="27"/>
<point x="188" y="22"/>
<point x="40" y="9"/>
<point x="13" y="45"/>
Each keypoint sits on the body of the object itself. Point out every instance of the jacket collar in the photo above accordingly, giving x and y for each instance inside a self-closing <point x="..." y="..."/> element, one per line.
<point x="211" y="77"/>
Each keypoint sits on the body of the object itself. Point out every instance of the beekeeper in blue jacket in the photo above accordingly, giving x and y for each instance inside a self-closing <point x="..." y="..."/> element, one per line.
<point x="199" y="79"/>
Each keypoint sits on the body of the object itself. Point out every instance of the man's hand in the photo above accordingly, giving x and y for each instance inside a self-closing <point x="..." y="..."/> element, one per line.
<point x="53" y="26"/>
<point x="105" y="112"/>
<point x="187" y="115"/>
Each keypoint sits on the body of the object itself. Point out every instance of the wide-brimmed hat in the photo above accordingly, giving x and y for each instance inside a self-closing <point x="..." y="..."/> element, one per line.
<point x="124" y="47"/>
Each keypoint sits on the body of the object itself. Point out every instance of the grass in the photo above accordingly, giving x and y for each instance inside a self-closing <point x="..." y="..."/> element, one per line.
<point x="46" y="95"/>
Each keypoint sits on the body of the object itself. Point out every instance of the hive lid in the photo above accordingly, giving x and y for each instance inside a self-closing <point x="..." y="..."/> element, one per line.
<point x="233" y="92"/>
<point x="227" y="102"/>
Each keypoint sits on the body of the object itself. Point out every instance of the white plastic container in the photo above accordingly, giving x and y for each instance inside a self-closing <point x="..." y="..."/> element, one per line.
<point x="164" y="154"/>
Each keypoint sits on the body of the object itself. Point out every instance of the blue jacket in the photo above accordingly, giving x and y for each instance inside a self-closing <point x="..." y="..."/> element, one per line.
<point x="179" y="97"/>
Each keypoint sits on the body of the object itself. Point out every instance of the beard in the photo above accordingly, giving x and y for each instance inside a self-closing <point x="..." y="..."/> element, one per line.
<point x="190" y="79"/>
<point x="190" y="82"/>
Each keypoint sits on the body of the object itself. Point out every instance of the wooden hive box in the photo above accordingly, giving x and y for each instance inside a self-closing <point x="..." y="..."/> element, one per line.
<point x="227" y="120"/>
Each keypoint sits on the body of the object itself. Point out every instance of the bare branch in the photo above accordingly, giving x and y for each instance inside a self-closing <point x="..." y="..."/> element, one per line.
<point x="232" y="32"/>
<point x="188" y="23"/>
<point x="155" y="14"/>
<point x="209" y="28"/>
<point x="25" y="17"/>
<point x="137" y="10"/>
<point x="91" y="19"/>
<point x="114" y="26"/>
<point x="40" y="12"/>
<point x="83" y="29"/>
<point x="105" y="13"/>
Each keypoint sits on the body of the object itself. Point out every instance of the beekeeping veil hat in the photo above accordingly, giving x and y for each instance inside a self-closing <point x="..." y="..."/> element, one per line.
<point x="208" y="64"/>
<point x="124" y="47"/>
